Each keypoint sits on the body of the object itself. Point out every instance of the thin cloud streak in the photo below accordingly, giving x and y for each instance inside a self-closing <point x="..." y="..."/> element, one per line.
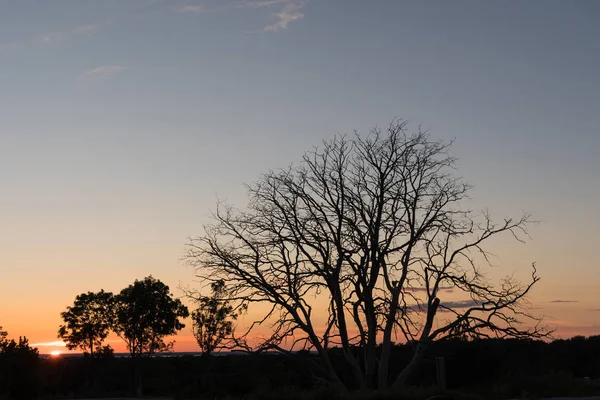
<point x="266" y="3"/>
<point x="423" y="289"/>
<point x="60" y="37"/>
<point x="191" y="8"/>
<point x="57" y="343"/>
<point x="60" y="343"/>
<point x="458" y="304"/>
<point x="446" y="306"/>
<point x="102" y="73"/>
<point x="86" y="30"/>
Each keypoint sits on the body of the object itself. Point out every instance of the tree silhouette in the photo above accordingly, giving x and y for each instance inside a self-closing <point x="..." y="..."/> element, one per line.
<point x="3" y="339"/>
<point x="19" y="362"/>
<point x="374" y="230"/>
<point x="10" y="346"/>
<point x="145" y="313"/>
<point x="88" y="321"/>
<point x="213" y="319"/>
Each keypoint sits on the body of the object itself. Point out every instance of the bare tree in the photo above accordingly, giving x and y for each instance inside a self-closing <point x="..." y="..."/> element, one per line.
<point x="353" y="248"/>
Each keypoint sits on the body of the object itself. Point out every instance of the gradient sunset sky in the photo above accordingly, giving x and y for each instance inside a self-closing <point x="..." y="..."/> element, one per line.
<point x="123" y="121"/>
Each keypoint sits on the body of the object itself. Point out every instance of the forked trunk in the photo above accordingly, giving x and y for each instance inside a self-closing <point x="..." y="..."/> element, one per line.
<point x="402" y="379"/>
<point x="422" y="346"/>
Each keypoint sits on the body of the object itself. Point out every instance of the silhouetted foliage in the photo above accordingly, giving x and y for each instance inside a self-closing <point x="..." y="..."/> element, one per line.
<point x="375" y="228"/>
<point x="105" y="352"/>
<point x="481" y="369"/>
<point x="88" y="321"/>
<point x="145" y="313"/>
<point x="19" y="377"/>
<point x="3" y="340"/>
<point x="213" y="319"/>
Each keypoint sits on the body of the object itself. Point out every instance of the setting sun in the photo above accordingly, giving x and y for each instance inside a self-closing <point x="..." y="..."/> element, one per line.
<point x="55" y="353"/>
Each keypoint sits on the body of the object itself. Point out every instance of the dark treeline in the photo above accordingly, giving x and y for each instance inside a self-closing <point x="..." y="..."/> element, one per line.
<point x="490" y="368"/>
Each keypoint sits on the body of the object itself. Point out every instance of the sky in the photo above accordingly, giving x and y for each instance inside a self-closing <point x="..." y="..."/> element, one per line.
<point x="122" y="122"/>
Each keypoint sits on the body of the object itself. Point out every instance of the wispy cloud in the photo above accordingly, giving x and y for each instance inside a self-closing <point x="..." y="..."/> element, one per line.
<point x="191" y="8"/>
<point x="86" y="30"/>
<point x="57" y="343"/>
<point x="282" y="12"/>
<point x="60" y="343"/>
<point x="264" y="3"/>
<point x="57" y="37"/>
<point x="79" y="31"/>
<point x="290" y="13"/>
<point x="564" y="301"/>
<point x="566" y="329"/>
<point x="446" y="306"/>
<point x="102" y="73"/>
<point x="423" y="289"/>
<point x="459" y="304"/>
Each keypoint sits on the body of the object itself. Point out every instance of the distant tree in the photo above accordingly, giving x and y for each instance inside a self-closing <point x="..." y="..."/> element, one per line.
<point x="88" y="321"/>
<point x="145" y="313"/>
<point x="213" y="319"/>
<point x="375" y="231"/>
<point x="105" y="352"/>
<point x="10" y="346"/>
<point x="20" y="347"/>
<point x="3" y="339"/>
<point x="19" y="368"/>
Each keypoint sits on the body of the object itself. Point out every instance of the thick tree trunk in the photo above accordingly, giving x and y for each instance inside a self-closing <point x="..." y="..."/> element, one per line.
<point x="347" y="349"/>
<point x="138" y="389"/>
<point x="371" y="345"/>
<point x="402" y="379"/>
<point x="386" y="346"/>
<point x="334" y="378"/>
<point x="422" y="346"/>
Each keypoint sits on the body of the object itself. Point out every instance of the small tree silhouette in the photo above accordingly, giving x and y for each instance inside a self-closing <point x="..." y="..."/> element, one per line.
<point x="87" y="321"/>
<point x="3" y="339"/>
<point x="213" y="319"/>
<point x="145" y="314"/>
<point x="19" y="374"/>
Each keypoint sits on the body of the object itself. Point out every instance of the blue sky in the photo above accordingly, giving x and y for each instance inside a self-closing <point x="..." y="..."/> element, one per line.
<point x="122" y="122"/>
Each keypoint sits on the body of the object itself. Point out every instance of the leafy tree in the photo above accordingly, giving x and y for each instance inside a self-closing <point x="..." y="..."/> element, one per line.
<point x="105" y="352"/>
<point x="88" y="321"/>
<point x="11" y="346"/>
<point x="19" y="363"/>
<point x="3" y="339"/>
<point x="376" y="229"/>
<point x="145" y="313"/>
<point x="22" y="347"/>
<point x="213" y="319"/>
